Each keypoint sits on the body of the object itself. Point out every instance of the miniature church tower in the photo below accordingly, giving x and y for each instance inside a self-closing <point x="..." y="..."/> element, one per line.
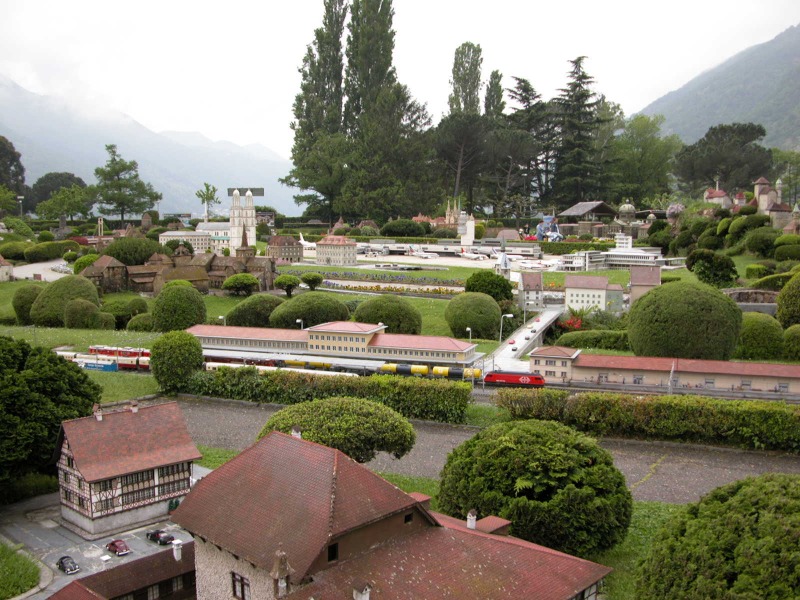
<point x="243" y="223"/>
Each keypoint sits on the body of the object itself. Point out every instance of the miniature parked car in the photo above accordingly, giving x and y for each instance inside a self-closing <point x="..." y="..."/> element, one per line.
<point x="159" y="535"/>
<point x="66" y="564"/>
<point x="118" y="547"/>
<point x="527" y="337"/>
<point x="511" y="342"/>
<point x="514" y="349"/>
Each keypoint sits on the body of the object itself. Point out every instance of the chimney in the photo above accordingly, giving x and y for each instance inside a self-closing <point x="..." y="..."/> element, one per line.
<point x="177" y="550"/>
<point x="472" y="518"/>
<point x="280" y="573"/>
<point x="361" y="590"/>
<point x="98" y="412"/>
<point x="134" y="407"/>
<point x="297" y="432"/>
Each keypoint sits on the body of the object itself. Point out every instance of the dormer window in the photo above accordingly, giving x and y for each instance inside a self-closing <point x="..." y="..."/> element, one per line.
<point x="333" y="552"/>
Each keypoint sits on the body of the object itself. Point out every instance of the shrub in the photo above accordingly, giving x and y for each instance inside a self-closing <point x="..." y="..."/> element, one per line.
<point x="241" y="284"/>
<point x="132" y="251"/>
<point x="80" y="314"/>
<point x="176" y="283"/>
<point x="18" y="226"/>
<point x="791" y="343"/>
<point x="178" y="307"/>
<point x="70" y="256"/>
<point x="709" y="241"/>
<point x="558" y="487"/>
<point x="312" y="280"/>
<point x="723" y="225"/>
<point x="477" y="311"/>
<point x="173" y="245"/>
<point x="23" y="300"/>
<point x="141" y="322"/>
<point x="287" y="283"/>
<point x="491" y="284"/>
<point x="747" y="210"/>
<point x="359" y="428"/>
<point x="739" y="541"/>
<point x="787" y="239"/>
<point x="312" y="307"/>
<point x="120" y="310"/>
<point x="761" y="241"/>
<point x="49" y="250"/>
<point x="14" y="250"/>
<point x="253" y="312"/>
<point x="137" y="306"/>
<point x="545" y="404"/>
<point x="787" y="253"/>
<point x="787" y="266"/>
<point x="712" y="268"/>
<point x="104" y="320"/>
<point x="684" y="320"/>
<point x="480" y="231"/>
<point x="174" y="357"/>
<point x="83" y="262"/>
<point x="595" y="338"/>
<point x="48" y="308"/>
<point x="46" y="236"/>
<point x="402" y="228"/>
<point x="755" y="271"/>
<point x="789" y="302"/>
<point x="761" y="337"/>
<point x="444" y="233"/>
<point x="772" y="282"/>
<point x="397" y="313"/>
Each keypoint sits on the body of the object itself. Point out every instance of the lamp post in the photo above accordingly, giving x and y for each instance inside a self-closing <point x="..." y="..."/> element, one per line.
<point x="469" y="331"/>
<point x="301" y="322"/>
<point x="20" y="199"/>
<point x="223" y="319"/>
<point x="506" y="316"/>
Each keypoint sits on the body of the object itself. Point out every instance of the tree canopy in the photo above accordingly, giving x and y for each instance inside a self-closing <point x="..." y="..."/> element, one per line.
<point x="119" y="190"/>
<point x="12" y="173"/>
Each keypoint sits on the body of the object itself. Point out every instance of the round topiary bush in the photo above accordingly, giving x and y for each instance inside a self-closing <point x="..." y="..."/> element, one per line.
<point x="788" y="301"/>
<point x="397" y="313"/>
<point x="48" y="308"/>
<point x="712" y="268"/>
<point x="133" y="251"/>
<point x="121" y="311"/>
<point x="557" y="486"/>
<point x="761" y="337"/>
<point x="287" y="283"/>
<point x="70" y="256"/>
<point x="23" y="300"/>
<point x="475" y="310"/>
<point x="80" y="314"/>
<point x="486" y="282"/>
<point x="739" y="541"/>
<point x="684" y="320"/>
<point x="791" y="343"/>
<point x="312" y="307"/>
<point x="141" y="322"/>
<point x="137" y="306"/>
<point x="761" y="241"/>
<point x="312" y="280"/>
<point x="84" y="261"/>
<point x="174" y="357"/>
<point x="104" y="320"/>
<point x="46" y="236"/>
<point x="254" y="311"/>
<point x="178" y="307"/>
<point x="787" y="252"/>
<point x="358" y="427"/>
<point x="177" y="283"/>
<point x="241" y="284"/>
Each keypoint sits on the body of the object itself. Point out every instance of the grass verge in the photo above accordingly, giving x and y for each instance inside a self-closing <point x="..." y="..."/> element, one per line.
<point x="215" y="457"/>
<point x="124" y="386"/>
<point x="18" y="573"/>
<point x="28" y="486"/>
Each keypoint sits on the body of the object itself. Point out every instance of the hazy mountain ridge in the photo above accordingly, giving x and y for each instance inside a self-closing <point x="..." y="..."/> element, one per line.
<point x="53" y="136"/>
<point x="760" y="85"/>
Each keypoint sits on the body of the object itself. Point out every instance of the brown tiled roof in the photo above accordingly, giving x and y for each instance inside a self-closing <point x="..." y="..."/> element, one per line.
<point x="346" y="327"/>
<point x="531" y="280"/>
<point x="586" y="282"/>
<point x="762" y="180"/>
<point x="583" y="208"/>
<point x="126" y="442"/>
<point x="557" y="351"/>
<point x="645" y="275"/>
<point x="686" y="365"/>
<point x="455" y="562"/>
<point x="716" y="193"/>
<point x="202" y="260"/>
<point x="335" y="240"/>
<point x="130" y="575"/>
<point x="284" y="490"/>
<point x="779" y="207"/>
<point x="144" y="269"/>
<point x="188" y="272"/>
<point x="102" y="264"/>
<point x="283" y="240"/>
<point x="419" y="342"/>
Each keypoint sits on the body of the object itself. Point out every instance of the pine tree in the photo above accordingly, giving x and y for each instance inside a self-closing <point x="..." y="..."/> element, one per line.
<point x="466" y="82"/>
<point x="119" y="189"/>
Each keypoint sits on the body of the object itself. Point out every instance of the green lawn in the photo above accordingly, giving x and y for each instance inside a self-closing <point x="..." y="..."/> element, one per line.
<point x="443" y="273"/>
<point x="18" y="573"/>
<point x="124" y="386"/>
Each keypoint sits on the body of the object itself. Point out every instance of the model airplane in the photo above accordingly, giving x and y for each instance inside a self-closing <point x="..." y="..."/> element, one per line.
<point x="305" y="244"/>
<point x="419" y="253"/>
<point x="472" y="255"/>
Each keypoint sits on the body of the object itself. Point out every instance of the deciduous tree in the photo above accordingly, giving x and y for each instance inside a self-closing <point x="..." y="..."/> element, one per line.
<point x="12" y="173"/>
<point x="466" y="80"/>
<point x="47" y="185"/>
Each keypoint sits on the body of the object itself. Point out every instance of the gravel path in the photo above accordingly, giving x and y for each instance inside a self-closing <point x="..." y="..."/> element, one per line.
<point x="662" y="471"/>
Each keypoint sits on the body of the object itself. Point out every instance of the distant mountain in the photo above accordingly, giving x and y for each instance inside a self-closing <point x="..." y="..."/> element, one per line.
<point x="758" y="85"/>
<point x="53" y="135"/>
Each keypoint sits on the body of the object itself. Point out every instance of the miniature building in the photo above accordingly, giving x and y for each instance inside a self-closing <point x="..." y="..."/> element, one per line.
<point x="121" y="467"/>
<point x="6" y="270"/>
<point x="643" y="279"/>
<point x="531" y="290"/>
<point x="291" y="518"/>
<point x="554" y="363"/>
<point x="718" y="197"/>
<point x="336" y="250"/>
<point x="284" y="248"/>
<point x="592" y="292"/>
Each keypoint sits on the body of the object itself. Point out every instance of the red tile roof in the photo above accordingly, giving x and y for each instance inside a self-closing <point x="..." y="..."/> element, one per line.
<point x="716" y="193"/>
<point x="129" y="576"/>
<point x="645" y="275"/>
<point x="4" y="262"/>
<point x="586" y="282"/>
<point x="126" y="442"/>
<point x="455" y="562"/>
<point x="762" y="180"/>
<point x="347" y="327"/>
<point x="290" y="491"/>
<point x="556" y="351"/>
<point x="335" y="240"/>
<point x="686" y="365"/>
<point x="531" y="281"/>
<point x="419" y="342"/>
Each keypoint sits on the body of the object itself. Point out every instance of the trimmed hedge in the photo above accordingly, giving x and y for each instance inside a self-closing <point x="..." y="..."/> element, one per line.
<point x="81" y="314"/>
<point x="595" y="338"/>
<point x="570" y="247"/>
<point x="414" y="398"/>
<point x="772" y="282"/>
<point x="787" y="253"/>
<point x="141" y="322"/>
<point x="756" y="271"/>
<point x="50" y="250"/>
<point x="749" y="424"/>
<point x="83" y="262"/>
<point x="22" y="301"/>
<point x="14" y="250"/>
<point x="761" y="337"/>
<point x="48" y="308"/>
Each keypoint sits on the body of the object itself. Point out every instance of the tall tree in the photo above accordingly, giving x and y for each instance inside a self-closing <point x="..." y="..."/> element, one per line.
<point x="47" y="185"/>
<point x="8" y="201"/>
<point x="576" y="169"/>
<point x="370" y="49"/>
<point x="318" y="112"/>
<point x="208" y="196"/>
<point x="12" y="173"/>
<point x="493" y="103"/>
<point x="728" y="153"/>
<point x="787" y="168"/>
<point x="610" y="121"/>
<point x="67" y="201"/>
<point x="466" y="81"/>
<point x="119" y="190"/>
<point x="461" y="144"/>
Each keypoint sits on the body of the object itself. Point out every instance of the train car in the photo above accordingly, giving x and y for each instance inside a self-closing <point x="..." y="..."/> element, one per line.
<point x="456" y="373"/>
<point x="513" y="378"/>
<point x="421" y="370"/>
<point x="238" y="357"/>
<point x="118" y="351"/>
<point x="212" y="366"/>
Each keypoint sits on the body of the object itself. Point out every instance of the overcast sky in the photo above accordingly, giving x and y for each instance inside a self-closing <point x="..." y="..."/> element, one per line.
<point x="229" y="69"/>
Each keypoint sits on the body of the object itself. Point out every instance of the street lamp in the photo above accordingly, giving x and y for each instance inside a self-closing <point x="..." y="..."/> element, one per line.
<point x="469" y="331"/>
<point x="508" y="316"/>
<point x="223" y="319"/>
<point x="20" y="199"/>
<point x="300" y="321"/>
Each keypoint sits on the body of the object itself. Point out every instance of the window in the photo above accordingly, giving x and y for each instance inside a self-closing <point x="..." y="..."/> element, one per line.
<point x="177" y="583"/>
<point x="783" y="387"/>
<point x="102" y="505"/>
<point x="408" y="518"/>
<point x="563" y="363"/>
<point x="66" y="476"/>
<point x="709" y="382"/>
<point x="174" y="486"/>
<point x="138" y="496"/>
<point x="333" y="552"/>
<point x="240" y="586"/>
<point x="70" y="462"/>
<point x="536" y="361"/>
<point x="550" y="363"/>
<point x="152" y="592"/>
<point x="139" y="477"/>
<point x="171" y="470"/>
<point x="746" y="383"/>
<point x="105" y="485"/>
<point x="549" y="373"/>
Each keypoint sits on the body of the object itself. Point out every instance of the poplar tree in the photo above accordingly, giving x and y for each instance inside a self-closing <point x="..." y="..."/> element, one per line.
<point x="466" y="81"/>
<point x="493" y="103"/>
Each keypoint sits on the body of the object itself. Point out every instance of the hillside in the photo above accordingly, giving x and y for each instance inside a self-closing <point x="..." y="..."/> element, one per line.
<point x="759" y="85"/>
<point x="51" y="135"/>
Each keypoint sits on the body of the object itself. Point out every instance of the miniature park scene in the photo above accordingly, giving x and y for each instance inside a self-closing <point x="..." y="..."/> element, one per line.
<point x="517" y="369"/>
